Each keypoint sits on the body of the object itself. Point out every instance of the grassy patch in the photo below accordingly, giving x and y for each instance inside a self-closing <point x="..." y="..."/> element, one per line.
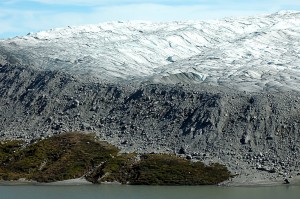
<point x="119" y="168"/>
<point x="155" y="169"/>
<point x="74" y="155"/>
<point x="60" y="157"/>
<point x="7" y="151"/>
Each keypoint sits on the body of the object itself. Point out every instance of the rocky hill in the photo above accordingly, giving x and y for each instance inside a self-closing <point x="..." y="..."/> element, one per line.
<point x="206" y="102"/>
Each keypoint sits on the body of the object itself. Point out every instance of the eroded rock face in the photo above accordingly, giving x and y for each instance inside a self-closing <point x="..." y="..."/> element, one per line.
<point x="246" y="131"/>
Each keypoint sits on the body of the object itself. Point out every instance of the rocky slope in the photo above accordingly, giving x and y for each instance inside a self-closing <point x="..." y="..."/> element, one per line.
<point x="248" y="132"/>
<point x="243" y="113"/>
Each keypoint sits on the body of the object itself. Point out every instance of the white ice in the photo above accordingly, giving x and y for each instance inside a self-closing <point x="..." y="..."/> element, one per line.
<point x="253" y="54"/>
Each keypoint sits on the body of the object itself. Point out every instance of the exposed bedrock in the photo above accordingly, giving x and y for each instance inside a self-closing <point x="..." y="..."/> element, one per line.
<point x="258" y="131"/>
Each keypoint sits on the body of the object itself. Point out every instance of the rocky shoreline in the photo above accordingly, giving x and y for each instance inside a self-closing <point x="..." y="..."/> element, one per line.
<point x="71" y="182"/>
<point x="243" y="182"/>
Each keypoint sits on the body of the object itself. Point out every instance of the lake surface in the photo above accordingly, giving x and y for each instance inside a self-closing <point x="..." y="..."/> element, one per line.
<point x="147" y="192"/>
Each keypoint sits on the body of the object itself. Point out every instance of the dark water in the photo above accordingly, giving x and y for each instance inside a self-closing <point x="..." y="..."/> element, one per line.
<point x="147" y="192"/>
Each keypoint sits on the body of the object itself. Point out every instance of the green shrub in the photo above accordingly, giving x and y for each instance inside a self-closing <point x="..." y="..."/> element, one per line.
<point x="74" y="155"/>
<point x="165" y="169"/>
<point x="61" y="157"/>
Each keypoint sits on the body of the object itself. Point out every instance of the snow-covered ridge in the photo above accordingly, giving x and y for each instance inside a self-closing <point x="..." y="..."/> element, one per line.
<point x="254" y="53"/>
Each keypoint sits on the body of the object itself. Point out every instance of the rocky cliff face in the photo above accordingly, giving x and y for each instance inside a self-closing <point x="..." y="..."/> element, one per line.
<point x="249" y="132"/>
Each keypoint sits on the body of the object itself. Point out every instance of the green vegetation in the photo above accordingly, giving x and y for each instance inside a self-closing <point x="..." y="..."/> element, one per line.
<point x="74" y="155"/>
<point x="163" y="169"/>
<point x="61" y="157"/>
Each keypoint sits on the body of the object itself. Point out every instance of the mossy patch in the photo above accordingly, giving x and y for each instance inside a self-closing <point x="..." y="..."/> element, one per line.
<point x="66" y="156"/>
<point x="163" y="169"/>
<point x="74" y="155"/>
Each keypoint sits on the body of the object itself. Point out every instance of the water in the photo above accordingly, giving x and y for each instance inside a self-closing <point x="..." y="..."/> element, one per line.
<point x="147" y="192"/>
